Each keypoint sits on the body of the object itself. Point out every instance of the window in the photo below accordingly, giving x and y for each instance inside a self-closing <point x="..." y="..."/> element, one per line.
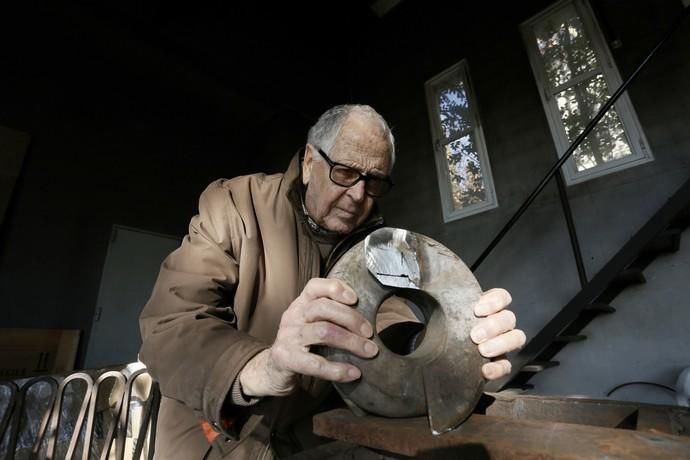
<point x="462" y="164"/>
<point x="576" y="75"/>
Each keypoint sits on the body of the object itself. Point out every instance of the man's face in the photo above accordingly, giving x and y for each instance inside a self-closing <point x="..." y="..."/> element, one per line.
<point x="362" y="145"/>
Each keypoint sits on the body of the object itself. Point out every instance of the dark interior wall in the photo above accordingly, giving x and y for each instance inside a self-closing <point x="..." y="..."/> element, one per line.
<point x="110" y="130"/>
<point x="127" y="128"/>
<point x="420" y="39"/>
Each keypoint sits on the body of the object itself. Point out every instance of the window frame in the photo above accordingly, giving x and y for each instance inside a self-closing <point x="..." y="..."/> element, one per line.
<point x="639" y="146"/>
<point x="433" y="86"/>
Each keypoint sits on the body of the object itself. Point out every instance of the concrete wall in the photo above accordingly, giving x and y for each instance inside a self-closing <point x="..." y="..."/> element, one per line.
<point x="647" y="339"/>
<point x="534" y="262"/>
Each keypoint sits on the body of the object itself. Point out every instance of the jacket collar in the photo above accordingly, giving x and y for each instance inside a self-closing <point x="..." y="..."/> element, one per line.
<point x="341" y="243"/>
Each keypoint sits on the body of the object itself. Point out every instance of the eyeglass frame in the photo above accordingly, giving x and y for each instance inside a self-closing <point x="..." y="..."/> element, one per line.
<point x="332" y="164"/>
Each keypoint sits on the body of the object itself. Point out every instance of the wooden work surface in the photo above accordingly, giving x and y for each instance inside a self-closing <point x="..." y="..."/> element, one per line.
<point x="483" y="436"/>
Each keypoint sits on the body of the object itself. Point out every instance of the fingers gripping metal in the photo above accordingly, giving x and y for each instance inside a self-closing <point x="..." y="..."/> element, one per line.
<point x="442" y="377"/>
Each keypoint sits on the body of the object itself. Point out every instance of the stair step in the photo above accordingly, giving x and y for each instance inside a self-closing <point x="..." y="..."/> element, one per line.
<point x="569" y="338"/>
<point x="595" y="298"/>
<point x="517" y="389"/>
<point x="682" y="220"/>
<point x="599" y="308"/>
<point x="665" y="242"/>
<point x="629" y="277"/>
<point x="538" y="366"/>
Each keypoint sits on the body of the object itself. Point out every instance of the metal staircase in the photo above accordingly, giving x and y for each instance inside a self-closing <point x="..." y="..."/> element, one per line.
<point x="660" y="235"/>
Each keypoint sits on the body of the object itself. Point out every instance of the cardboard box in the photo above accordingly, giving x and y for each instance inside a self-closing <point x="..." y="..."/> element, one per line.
<point x="32" y="352"/>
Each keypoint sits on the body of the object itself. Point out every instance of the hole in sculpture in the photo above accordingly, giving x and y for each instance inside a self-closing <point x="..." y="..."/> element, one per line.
<point x="402" y="319"/>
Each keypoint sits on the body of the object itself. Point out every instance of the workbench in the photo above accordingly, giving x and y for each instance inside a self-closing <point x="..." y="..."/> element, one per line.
<point x="514" y="426"/>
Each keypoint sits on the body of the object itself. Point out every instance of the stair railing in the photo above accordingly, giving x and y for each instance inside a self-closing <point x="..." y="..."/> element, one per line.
<point x="555" y="169"/>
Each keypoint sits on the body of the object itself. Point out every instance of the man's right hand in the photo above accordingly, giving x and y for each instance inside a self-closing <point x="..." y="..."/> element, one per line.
<point x="321" y="315"/>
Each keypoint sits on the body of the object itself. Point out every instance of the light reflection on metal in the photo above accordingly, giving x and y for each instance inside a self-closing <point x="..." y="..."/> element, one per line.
<point x="391" y="256"/>
<point x="58" y="416"/>
<point x="90" y="424"/>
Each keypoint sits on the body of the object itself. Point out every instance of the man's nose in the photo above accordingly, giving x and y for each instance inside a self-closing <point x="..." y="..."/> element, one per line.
<point x="358" y="191"/>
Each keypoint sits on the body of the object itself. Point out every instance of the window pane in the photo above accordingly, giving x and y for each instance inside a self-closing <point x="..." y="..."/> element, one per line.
<point x="577" y="106"/>
<point x="465" y="171"/>
<point x="564" y="48"/>
<point x="454" y="110"/>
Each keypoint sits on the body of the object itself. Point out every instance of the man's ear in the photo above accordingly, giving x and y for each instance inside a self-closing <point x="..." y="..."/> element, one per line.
<point x="307" y="163"/>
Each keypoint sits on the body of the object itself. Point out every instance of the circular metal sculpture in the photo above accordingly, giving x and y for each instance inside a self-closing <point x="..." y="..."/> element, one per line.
<point x="442" y="377"/>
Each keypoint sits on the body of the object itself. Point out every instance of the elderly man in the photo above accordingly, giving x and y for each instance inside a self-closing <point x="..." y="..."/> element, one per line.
<point x="228" y="329"/>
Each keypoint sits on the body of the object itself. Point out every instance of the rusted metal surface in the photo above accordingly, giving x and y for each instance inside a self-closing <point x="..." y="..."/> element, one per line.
<point x="665" y="421"/>
<point x="442" y="377"/>
<point x="595" y="412"/>
<point x="499" y="438"/>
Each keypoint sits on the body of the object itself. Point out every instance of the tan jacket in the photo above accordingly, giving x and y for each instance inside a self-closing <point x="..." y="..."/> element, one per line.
<point x="217" y="303"/>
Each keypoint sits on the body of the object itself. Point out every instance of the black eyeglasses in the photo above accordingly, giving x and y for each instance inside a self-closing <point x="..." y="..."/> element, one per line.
<point x="346" y="176"/>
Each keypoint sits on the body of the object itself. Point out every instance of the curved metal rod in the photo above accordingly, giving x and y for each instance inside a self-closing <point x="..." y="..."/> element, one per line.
<point x="19" y="410"/>
<point x="14" y="392"/>
<point x="154" y="419"/>
<point x="124" y="414"/>
<point x="55" y="419"/>
<point x="88" y="436"/>
<point x="576" y="143"/>
<point x="108" y="442"/>
<point x="51" y="419"/>
<point x="148" y="422"/>
<point x="46" y="416"/>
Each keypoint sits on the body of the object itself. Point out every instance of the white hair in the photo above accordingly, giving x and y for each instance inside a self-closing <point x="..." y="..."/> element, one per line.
<point x="326" y="129"/>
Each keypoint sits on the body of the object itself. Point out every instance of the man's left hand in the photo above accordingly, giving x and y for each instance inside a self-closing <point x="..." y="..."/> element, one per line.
<point x="495" y="332"/>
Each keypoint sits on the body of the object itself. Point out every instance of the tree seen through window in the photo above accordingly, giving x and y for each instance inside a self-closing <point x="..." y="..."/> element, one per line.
<point x="574" y="75"/>
<point x="462" y="157"/>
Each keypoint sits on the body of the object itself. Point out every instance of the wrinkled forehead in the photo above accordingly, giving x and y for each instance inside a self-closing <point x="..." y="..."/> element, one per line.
<point x="362" y="142"/>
